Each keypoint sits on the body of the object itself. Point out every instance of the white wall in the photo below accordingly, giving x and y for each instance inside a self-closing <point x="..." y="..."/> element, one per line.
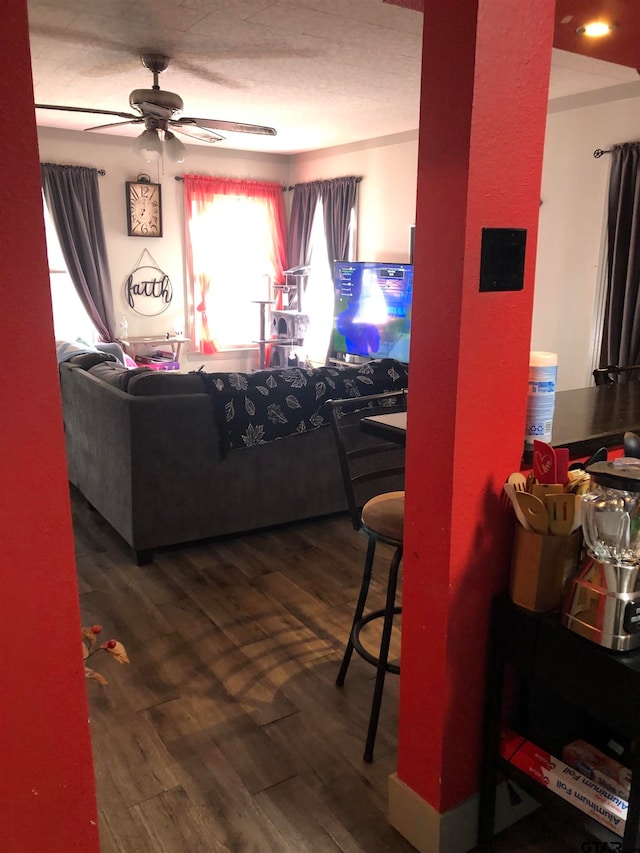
<point x="387" y="193"/>
<point x="572" y="223"/>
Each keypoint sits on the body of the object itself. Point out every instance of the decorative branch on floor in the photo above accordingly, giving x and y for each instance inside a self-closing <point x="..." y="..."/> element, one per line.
<point x="89" y="648"/>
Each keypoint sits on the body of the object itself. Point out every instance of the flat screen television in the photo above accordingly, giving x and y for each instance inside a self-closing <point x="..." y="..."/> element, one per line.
<point x="372" y="309"/>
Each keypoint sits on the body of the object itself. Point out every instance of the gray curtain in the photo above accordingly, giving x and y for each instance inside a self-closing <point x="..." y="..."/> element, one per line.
<point x="303" y="207"/>
<point x="338" y="197"/>
<point x="621" y="328"/>
<point x="338" y="200"/>
<point x="73" y="199"/>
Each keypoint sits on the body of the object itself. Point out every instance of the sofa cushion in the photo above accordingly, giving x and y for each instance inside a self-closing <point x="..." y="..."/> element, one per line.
<point x="152" y="383"/>
<point x="114" y="373"/>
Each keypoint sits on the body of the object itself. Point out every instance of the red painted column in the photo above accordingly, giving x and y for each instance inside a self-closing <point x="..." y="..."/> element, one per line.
<point x="47" y="795"/>
<point x="483" y="112"/>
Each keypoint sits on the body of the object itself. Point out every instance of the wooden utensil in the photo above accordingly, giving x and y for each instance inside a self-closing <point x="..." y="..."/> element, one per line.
<point x="561" y="509"/>
<point x="577" y="512"/>
<point x="540" y="490"/>
<point x="518" y="481"/>
<point x="510" y="491"/>
<point x="534" y="511"/>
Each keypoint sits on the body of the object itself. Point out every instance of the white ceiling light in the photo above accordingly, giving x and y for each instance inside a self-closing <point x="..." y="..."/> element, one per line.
<point x="176" y="151"/>
<point x="596" y="29"/>
<point x="148" y="145"/>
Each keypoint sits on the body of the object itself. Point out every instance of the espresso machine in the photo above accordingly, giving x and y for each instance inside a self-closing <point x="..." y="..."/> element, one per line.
<point x="602" y="602"/>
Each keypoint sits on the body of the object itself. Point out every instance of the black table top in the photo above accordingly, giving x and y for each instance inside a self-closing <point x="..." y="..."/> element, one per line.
<point x="392" y="427"/>
<point x="584" y="419"/>
<point x="588" y="418"/>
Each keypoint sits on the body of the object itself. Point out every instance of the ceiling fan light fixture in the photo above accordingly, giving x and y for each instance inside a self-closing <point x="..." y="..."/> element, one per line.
<point x="148" y="145"/>
<point x="596" y="29"/>
<point x="176" y="151"/>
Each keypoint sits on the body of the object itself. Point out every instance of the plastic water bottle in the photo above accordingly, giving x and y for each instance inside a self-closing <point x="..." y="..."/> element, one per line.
<point x="124" y="329"/>
<point x="541" y="399"/>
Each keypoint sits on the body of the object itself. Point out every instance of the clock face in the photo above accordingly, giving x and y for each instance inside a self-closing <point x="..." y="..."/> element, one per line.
<point x="144" y="212"/>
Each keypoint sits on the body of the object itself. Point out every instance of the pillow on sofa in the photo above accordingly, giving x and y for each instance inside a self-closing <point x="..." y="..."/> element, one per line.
<point x="114" y="373"/>
<point x="157" y="382"/>
<point x="86" y="360"/>
<point x="67" y="351"/>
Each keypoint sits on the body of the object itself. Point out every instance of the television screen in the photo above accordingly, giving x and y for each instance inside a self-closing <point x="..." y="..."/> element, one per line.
<point x="372" y="313"/>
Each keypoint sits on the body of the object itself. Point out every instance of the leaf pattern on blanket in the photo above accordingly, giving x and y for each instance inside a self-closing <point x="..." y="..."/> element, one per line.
<point x="254" y="435"/>
<point x="256" y="408"/>
<point x="238" y="381"/>
<point x="352" y="388"/>
<point x="275" y="414"/>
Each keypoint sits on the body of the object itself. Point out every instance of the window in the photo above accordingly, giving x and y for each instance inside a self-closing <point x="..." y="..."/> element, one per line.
<point x="318" y="298"/>
<point x="235" y="251"/>
<point x="70" y="320"/>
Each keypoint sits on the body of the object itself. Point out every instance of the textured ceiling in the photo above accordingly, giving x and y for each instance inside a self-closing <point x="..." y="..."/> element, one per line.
<point x="322" y="72"/>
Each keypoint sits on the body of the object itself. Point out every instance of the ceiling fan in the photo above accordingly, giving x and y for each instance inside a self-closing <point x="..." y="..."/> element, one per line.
<point x="160" y="112"/>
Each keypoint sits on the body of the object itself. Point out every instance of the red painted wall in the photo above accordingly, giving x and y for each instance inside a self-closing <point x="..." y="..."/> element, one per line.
<point x="47" y="799"/>
<point x="484" y="99"/>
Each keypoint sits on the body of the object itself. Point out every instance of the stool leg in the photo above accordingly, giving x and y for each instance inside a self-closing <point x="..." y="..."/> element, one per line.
<point x="383" y="659"/>
<point x="362" y="600"/>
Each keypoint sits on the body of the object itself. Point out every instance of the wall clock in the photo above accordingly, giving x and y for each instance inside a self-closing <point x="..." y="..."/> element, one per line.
<point x="144" y="208"/>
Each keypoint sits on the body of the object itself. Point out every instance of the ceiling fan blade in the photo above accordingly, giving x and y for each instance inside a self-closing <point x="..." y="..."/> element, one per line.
<point x="84" y="110"/>
<point x="201" y="133"/>
<point x="235" y="126"/>
<point x="115" y="124"/>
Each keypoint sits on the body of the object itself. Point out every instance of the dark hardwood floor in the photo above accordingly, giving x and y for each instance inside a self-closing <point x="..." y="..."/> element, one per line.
<point x="227" y="732"/>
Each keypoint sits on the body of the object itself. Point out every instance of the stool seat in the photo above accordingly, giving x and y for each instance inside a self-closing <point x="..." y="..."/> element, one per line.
<point x="384" y="515"/>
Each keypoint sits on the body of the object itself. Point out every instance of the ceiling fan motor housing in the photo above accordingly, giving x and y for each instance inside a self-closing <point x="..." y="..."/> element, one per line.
<point x="169" y="101"/>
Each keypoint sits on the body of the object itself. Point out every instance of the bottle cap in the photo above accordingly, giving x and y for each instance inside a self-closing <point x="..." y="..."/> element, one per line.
<point x="543" y="359"/>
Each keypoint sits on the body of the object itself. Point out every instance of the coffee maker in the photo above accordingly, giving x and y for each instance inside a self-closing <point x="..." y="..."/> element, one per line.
<point x="602" y="602"/>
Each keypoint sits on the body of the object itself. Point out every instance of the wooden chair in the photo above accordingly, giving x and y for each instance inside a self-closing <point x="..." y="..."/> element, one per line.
<point x="611" y="374"/>
<point x="373" y="475"/>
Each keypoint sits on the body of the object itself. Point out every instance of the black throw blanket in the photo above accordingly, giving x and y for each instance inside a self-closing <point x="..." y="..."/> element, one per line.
<point x="254" y="408"/>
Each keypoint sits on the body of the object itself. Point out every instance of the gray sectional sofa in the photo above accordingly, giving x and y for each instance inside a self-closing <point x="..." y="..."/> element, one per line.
<point x="155" y="453"/>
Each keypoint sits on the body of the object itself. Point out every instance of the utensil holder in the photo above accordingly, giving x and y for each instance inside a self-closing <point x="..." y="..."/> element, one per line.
<point x="541" y="566"/>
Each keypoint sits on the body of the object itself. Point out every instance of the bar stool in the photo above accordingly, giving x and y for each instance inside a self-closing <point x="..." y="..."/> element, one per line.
<point x="370" y="466"/>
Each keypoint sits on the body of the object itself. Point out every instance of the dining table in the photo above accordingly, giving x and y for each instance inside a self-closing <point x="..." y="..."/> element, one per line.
<point x="392" y="427"/>
<point x="584" y="420"/>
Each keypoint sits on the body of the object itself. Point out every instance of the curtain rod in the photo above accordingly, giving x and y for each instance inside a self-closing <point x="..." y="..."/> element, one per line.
<point x="284" y="189"/>
<point x="358" y="179"/>
<point x="180" y="178"/>
<point x="599" y="152"/>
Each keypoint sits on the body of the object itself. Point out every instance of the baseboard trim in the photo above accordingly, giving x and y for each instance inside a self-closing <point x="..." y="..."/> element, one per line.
<point x="454" y="831"/>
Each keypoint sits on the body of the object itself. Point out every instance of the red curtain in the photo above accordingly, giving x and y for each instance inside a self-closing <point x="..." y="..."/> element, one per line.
<point x="200" y="193"/>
